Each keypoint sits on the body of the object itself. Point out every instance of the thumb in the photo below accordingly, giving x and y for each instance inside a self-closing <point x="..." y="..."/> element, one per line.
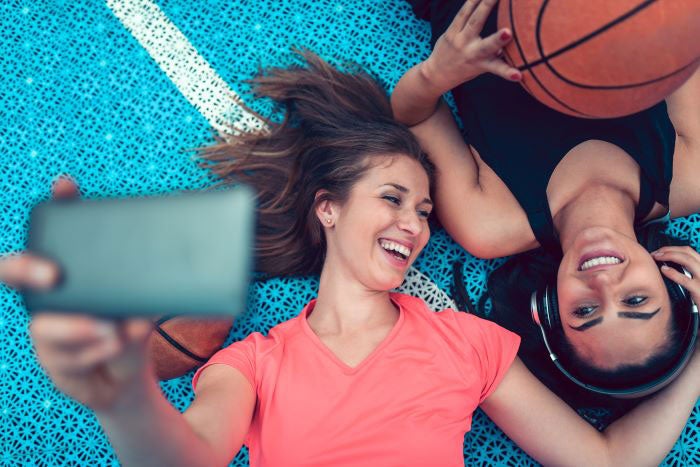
<point x="64" y="187"/>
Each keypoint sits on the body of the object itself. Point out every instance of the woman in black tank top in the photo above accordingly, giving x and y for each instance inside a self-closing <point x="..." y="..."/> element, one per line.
<point x="574" y="196"/>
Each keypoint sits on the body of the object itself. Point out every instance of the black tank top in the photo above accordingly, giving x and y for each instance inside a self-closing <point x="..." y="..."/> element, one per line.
<point x="523" y="140"/>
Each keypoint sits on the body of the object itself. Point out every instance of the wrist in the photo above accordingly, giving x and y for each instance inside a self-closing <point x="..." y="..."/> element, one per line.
<point x="431" y="80"/>
<point x="135" y="397"/>
<point x="438" y="80"/>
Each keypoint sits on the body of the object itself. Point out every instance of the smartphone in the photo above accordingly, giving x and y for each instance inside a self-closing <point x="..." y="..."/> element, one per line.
<point x="186" y="253"/>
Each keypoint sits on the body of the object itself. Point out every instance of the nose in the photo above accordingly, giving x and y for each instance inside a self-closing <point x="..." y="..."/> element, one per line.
<point x="603" y="279"/>
<point x="409" y="221"/>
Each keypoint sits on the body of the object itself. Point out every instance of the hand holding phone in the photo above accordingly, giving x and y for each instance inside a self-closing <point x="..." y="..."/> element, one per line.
<point x="188" y="253"/>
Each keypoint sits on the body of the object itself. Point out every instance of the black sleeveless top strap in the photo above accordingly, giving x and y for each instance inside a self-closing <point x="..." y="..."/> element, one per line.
<point x="523" y="140"/>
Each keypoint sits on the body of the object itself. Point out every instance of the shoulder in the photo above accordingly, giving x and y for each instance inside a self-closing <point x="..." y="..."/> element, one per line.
<point x="468" y="327"/>
<point x="254" y="352"/>
<point x="262" y="344"/>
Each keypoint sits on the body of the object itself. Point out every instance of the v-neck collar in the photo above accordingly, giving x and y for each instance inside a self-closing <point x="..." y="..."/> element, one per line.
<point x="345" y="368"/>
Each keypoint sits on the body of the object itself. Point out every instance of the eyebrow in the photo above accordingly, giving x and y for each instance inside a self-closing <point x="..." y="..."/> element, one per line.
<point x="403" y="189"/>
<point x="587" y="324"/>
<point x="621" y="314"/>
<point x="638" y="314"/>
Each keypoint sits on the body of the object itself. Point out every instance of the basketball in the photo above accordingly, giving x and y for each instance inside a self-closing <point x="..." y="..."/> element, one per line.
<point x="177" y="344"/>
<point x="602" y="58"/>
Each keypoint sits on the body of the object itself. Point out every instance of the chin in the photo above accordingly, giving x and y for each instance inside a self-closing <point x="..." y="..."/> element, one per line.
<point x="396" y="282"/>
<point x="387" y="283"/>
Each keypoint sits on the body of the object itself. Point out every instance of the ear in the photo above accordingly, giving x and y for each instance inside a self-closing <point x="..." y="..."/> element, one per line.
<point x="326" y="209"/>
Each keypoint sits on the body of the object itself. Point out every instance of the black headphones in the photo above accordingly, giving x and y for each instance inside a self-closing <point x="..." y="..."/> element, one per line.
<point x="545" y="313"/>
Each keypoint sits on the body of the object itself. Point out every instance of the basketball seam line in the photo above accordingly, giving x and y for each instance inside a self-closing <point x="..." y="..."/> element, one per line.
<point x="179" y="346"/>
<point x="532" y="73"/>
<point x="586" y="38"/>
<point x="557" y="73"/>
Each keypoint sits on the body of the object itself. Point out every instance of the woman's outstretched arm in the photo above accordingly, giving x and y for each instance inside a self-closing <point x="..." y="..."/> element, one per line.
<point x="553" y="433"/>
<point x="473" y="204"/>
<point x="104" y="366"/>
<point x="149" y="431"/>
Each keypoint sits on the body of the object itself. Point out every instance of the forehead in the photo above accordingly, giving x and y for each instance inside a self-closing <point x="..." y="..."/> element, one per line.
<point x="397" y="169"/>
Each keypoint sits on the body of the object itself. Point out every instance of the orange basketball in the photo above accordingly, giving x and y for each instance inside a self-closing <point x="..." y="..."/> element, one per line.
<point x="179" y="344"/>
<point x="602" y="58"/>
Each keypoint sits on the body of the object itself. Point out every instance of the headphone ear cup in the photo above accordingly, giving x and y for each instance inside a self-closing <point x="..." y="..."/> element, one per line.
<point x="538" y="309"/>
<point x="552" y="309"/>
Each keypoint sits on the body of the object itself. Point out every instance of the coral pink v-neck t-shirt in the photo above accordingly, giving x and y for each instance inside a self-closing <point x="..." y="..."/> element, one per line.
<point x="410" y="402"/>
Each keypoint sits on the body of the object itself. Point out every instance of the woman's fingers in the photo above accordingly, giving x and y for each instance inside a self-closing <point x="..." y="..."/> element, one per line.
<point x="492" y="46"/>
<point x="500" y="68"/>
<point x="478" y="17"/>
<point x="68" y="332"/>
<point x="75" y="345"/>
<point x="686" y="257"/>
<point x="72" y="344"/>
<point x="20" y="270"/>
<point x="690" y="284"/>
<point x="463" y="15"/>
<point x="682" y="255"/>
<point x="64" y="187"/>
<point x="28" y="270"/>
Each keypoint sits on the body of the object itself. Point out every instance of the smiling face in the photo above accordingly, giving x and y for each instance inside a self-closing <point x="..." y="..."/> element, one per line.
<point x="377" y="233"/>
<point x="613" y="304"/>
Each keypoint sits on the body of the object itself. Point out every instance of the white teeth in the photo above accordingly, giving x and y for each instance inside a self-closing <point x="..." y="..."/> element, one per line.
<point x="598" y="261"/>
<point x="392" y="246"/>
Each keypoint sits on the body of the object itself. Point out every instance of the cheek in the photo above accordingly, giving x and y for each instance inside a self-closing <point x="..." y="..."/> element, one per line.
<point x="424" y="238"/>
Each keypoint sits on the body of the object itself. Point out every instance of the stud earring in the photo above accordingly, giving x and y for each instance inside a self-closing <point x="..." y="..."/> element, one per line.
<point x="329" y="220"/>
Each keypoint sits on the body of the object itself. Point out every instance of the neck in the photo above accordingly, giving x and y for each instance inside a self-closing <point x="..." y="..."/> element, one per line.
<point x="597" y="206"/>
<point x="345" y="305"/>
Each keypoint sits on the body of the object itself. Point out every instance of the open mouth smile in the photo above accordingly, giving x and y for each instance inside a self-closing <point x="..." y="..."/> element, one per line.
<point x="599" y="261"/>
<point x="396" y="250"/>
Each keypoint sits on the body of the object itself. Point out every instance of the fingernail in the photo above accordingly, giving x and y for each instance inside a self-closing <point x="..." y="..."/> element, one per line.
<point x="664" y="267"/>
<point x="42" y="274"/>
<point x="505" y="35"/>
<point x="515" y="76"/>
<point x="657" y="253"/>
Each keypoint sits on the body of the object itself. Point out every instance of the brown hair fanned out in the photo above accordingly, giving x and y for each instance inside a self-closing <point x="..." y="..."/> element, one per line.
<point x="333" y="123"/>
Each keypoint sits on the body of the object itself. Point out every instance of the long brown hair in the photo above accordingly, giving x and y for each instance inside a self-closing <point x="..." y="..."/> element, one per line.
<point x="333" y="124"/>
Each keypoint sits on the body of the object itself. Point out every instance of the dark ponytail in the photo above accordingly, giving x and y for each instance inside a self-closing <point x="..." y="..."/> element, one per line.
<point x="333" y="123"/>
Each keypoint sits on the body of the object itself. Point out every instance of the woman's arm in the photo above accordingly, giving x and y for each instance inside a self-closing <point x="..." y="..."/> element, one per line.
<point x="552" y="433"/>
<point x="460" y="55"/>
<point x="473" y="204"/>
<point x="684" y="111"/>
<point x="151" y="432"/>
<point x="103" y="365"/>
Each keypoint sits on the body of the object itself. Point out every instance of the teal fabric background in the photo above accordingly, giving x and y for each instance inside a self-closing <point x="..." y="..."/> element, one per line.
<point x="81" y="95"/>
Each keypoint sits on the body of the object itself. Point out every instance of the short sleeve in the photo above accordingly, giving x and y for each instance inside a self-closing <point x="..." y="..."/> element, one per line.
<point x="239" y="355"/>
<point x="495" y="349"/>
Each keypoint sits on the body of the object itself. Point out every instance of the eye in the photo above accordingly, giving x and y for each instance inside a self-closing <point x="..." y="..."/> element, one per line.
<point x="424" y="214"/>
<point x="635" y="300"/>
<point x="392" y="199"/>
<point x="584" y="311"/>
